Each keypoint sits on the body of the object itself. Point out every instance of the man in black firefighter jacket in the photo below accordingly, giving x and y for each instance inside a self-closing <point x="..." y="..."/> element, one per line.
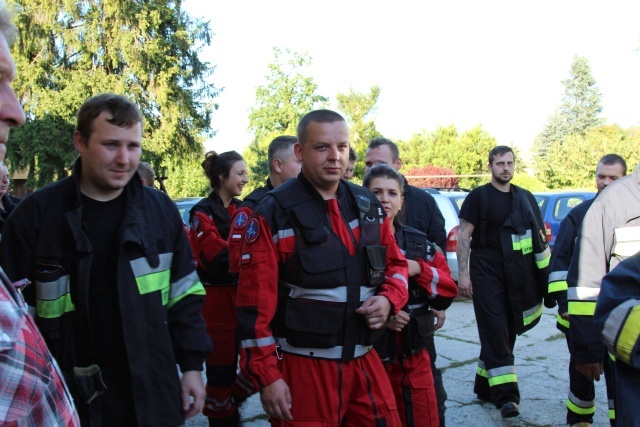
<point x="581" y="403"/>
<point x="421" y="212"/>
<point x="116" y="295"/>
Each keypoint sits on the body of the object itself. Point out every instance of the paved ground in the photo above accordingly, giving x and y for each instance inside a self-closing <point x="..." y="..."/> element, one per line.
<point x="541" y="366"/>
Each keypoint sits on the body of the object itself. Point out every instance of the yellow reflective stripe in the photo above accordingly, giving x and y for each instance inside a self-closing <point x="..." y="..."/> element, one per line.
<point x="582" y="308"/>
<point x="578" y="410"/>
<point x="196" y="289"/>
<point x="612" y="414"/>
<point x="153" y="282"/>
<point x="529" y="316"/>
<point x="629" y="335"/>
<point x="482" y="372"/>
<point x="503" y="379"/>
<point x="54" y="308"/>
<point x="543" y="259"/>
<point x="562" y="321"/>
<point x="558" y="286"/>
<point x="522" y="242"/>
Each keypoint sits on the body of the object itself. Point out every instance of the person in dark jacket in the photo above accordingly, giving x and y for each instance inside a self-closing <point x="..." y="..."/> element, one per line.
<point x="404" y="347"/>
<point x="7" y="201"/>
<point x="581" y="404"/>
<point x="116" y="295"/>
<point x="617" y="320"/>
<point x="422" y="213"/>
<point x="210" y="223"/>
<point x="505" y="269"/>
<point x="283" y="165"/>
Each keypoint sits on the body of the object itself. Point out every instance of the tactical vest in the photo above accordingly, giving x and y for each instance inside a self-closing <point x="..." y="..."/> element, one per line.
<point x="334" y="283"/>
<point x="415" y="245"/>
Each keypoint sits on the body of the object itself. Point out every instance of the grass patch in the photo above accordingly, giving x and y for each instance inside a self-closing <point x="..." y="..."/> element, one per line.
<point x="556" y="337"/>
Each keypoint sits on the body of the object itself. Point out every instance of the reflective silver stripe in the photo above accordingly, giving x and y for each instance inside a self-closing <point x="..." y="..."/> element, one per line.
<point x="502" y="370"/>
<point x="257" y="342"/>
<point x="481" y="364"/>
<point x="49" y="291"/>
<point x="615" y="321"/>
<point x="543" y="255"/>
<point x="415" y="306"/>
<point x="283" y="234"/>
<point x="626" y="241"/>
<point x="354" y="224"/>
<point x="515" y="238"/>
<point x="338" y="294"/>
<point x="434" y="281"/>
<point x="556" y="276"/>
<point x="183" y="285"/>
<point x="400" y="277"/>
<point x="579" y="402"/>
<point x="141" y="266"/>
<point x="582" y="293"/>
<point x="611" y="404"/>
<point x="334" y="353"/>
<point x="532" y="310"/>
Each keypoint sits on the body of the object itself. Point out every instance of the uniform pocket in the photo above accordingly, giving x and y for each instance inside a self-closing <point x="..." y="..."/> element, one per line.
<point x="313" y="325"/>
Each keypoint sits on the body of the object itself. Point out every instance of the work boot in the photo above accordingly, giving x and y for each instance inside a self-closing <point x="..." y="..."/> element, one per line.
<point x="509" y="409"/>
<point x="581" y="424"/>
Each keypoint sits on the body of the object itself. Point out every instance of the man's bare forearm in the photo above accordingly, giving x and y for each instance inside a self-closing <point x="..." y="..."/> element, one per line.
<point x="464" y="247"/>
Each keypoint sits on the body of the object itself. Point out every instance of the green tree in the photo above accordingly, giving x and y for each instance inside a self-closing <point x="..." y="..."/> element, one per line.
<point x="572" y="164"/>
<point x="578" y="114"/>
<point x="581" y="102"/>
<point x="280" y="103"/>
<point x="144" y="49"/>
<point x="357" y="108"/>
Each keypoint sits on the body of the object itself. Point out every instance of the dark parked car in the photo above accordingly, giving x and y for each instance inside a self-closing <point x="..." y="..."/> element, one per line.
<point x="554" y="206"/>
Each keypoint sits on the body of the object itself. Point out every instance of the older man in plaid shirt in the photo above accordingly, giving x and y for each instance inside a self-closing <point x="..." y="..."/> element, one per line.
<point x="32" y="391"/>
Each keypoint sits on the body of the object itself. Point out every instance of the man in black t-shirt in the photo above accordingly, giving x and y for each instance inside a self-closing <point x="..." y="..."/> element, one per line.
<point x="502" y="263"/>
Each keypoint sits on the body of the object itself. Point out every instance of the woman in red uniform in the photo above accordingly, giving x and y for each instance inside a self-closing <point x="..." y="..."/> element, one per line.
<point x="210" y="224"/>
<point x="430" y="285"/>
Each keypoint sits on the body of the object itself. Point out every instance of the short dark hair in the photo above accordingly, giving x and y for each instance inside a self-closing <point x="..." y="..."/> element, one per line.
<point x="278" y="147"/>
<point x="318" y="116"/>
<point x="146" y="172"/>
<point x="613" y="159"/>
<point x="124" y="113"/>
<point x="380" y="141"/>
<point x="7" y="27"/>
<point x="353" y="156"/>
<point x="216" y="165"/>
<point x="500" y="150"/>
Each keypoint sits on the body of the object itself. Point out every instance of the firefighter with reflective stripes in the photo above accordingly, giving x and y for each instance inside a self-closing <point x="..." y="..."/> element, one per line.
<point x="617" y="319"/>
<point x="210" y="220"/>
<point x="581" y="400"/>
<point x="610" y="233"/>
<point x="319" y="275"/>
<point x="504" y="268"/>
<point x="403" y="349"/>
<point x="116" y="296"/>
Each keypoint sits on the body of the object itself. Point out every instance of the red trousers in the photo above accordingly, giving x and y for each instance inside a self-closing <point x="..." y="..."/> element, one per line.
<point x="327" y="393"/>
<point x="414" y="390"/>
<point x="219" y="312"/>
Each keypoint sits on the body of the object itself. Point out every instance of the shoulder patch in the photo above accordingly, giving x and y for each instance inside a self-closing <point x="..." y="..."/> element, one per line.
<point x="543" y="235"/>
<point x="241" y="220"/>
<point x="253" y="231"/>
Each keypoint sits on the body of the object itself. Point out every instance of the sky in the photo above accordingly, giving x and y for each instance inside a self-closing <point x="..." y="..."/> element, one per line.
<point x="463" y="62"/>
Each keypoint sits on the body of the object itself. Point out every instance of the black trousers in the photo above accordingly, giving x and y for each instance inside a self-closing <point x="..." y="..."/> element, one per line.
<point x="495" y="377"/>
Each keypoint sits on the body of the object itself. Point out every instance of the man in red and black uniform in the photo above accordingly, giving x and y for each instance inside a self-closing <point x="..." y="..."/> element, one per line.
<point x="319" y="275"/>
<point x="283" y="165"/>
